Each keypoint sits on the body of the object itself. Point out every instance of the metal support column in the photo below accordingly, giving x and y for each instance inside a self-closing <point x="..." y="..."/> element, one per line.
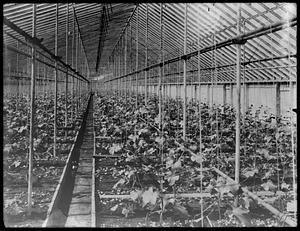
<point x="32" y="111"/>
<point x="130" y="58"/>
<point x="55" y="82"/>
<point x="66" y="90"/>
<point x="224" y="94"/>
<point x="125" y="62"/>
<point x="137" y="56"/>
<point x="238" y="102"/>
<point x="184" y="72"/>
<point x="72" y="63"/>
<point x="146" y="55"/>
<point x="160" y="68"/>
<point x="277" y="97"/>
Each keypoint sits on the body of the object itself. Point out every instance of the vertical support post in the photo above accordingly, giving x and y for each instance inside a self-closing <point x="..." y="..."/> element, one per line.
<point x="120" y="73"/>
<point x="184" y="72"/>
<point x="160" y="69"/>
<point x="246" y="96"/>
<point x="277" y="97"/>
<point x="72" y="61"/>
<point x="125" y="62"/>
<point x="17" y="73"/>
<point x="200" y="125"/>
<point x="66" y="90"/>
<point x="32" y="110"/>
<point x="55" y="82"/>
<point x="146" y="55"/>
<point x="45" y="80"/>
<point x="231" y="93"/>
<point x="76" y="68"/>
<point x="137" y="55"/>
<point x="292" y="97"/>
<point x="130" y="58"/>
<point x="208" y="93"/>
<point x="245" y="106"/>
<point x="17" y="59"/>
<point x="224" y="94"/>
<point x="238" y="102"/>
<point x="160" y="94"/>
<point x="213" y="72"/>
<point x="37" y="78"/>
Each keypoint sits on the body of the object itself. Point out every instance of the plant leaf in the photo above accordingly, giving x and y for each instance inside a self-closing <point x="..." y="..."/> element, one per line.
<point x="120" y="182"/>
<point x="182" y="210"/>
<point x="114" y="208"/>
<point x="125" y="211"/>
<point x="250" y="173"/>
<point x="135" y="194"/>
<point x="177" y="164"/>
<point x="149" y="196"/>
<point x="173" y="179"/>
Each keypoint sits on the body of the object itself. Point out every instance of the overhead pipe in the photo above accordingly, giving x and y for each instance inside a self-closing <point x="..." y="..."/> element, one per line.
<point x="11" y="48"/>
<point x="38" y="42"/>
<point x="235" y="40"/>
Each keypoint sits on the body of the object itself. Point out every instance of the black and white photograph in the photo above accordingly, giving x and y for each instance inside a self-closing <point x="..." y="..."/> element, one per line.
<point x="149" y="114"/>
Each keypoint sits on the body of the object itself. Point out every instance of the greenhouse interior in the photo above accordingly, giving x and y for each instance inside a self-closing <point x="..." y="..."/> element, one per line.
<point x="150" y="114"/>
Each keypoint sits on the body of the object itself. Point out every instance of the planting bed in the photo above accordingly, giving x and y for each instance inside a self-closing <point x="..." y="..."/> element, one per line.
<point x="155" y="169"/>
<point x="47" y="168"/>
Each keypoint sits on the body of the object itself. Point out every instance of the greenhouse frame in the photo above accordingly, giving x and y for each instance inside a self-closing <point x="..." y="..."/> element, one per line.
<point x="150" y="114"/>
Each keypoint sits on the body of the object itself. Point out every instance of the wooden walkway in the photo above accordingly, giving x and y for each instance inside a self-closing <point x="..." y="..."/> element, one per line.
<point x="80" y="214"/>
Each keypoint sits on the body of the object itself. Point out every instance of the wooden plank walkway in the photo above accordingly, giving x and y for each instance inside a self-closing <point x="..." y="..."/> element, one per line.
<point x="80" y="208"/>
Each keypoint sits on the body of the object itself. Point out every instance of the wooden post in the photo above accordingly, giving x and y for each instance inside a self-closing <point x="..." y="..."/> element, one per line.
<point x="184" y="72"/>
<point x="146" y="55"/>
<point x="55" y="82"/>
<point x="238" y="102"/>
<point x="32" y="111"/>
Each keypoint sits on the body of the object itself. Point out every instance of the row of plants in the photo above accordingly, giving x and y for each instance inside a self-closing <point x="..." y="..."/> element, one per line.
<point x="152" y="164"/>
<point x="47" y="168"/>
